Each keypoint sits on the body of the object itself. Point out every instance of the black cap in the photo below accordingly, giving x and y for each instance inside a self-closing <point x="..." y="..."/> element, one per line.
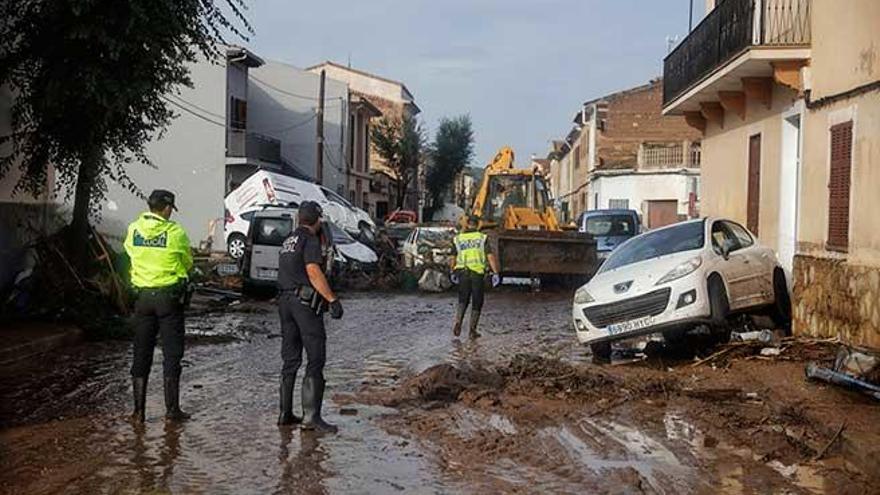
<point x="309" y="212"/>
<point x="160" y="198"/>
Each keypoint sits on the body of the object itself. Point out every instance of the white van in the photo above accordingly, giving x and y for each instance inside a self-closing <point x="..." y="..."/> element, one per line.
<point x="268" y="188"/>
<point x="267" y="230"/>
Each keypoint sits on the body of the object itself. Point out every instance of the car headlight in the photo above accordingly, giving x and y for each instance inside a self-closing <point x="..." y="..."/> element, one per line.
<point x="681" y="270"/>
<point x="581" y="296"/>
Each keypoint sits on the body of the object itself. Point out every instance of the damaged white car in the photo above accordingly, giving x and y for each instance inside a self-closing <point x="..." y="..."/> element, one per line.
<point x="673" y="279"/>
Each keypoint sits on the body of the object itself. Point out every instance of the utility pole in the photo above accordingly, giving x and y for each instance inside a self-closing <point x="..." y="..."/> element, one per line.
<point x="319" y="167"/>
<point x="691" y="17"/>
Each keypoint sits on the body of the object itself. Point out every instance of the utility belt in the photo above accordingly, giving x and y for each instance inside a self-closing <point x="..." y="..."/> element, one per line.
<point x="182" y="290"/>
<point x="309" y="297"/>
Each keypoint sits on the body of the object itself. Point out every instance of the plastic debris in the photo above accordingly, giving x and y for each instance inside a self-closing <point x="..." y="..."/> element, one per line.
<point x="816" y="372"/>
<point x="771" y="351"/>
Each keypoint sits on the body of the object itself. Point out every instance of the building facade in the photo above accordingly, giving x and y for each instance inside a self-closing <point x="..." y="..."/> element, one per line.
<point x="623" y="153"/>
<point x="390" y="99"/>
<point x="789" y="106"/>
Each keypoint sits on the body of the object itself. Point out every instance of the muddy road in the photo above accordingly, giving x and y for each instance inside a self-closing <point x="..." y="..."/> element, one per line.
<point x="519" y="410"/>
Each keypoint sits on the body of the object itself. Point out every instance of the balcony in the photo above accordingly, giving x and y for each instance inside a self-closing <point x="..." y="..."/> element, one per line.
<point x="739" y="38"/>
<point x="243" y="144"/>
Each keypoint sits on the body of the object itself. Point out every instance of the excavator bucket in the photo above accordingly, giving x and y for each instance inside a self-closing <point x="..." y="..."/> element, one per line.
<point x="540" y="253"/>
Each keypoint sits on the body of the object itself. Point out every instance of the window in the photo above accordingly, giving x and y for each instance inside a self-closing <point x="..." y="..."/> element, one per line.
<point x="351" y="196"/>
<point x="272" y="231"/>
<point x="839" y="187"/>
<point x="743" y="238"/>
<point x="753" y="200"/>
<point x="610" y="225"/>
<point x="618" y="204"/>
<point x="335" y="198"/>
<point x="237" y="113"/>
<point x="248" y="215"/>
<point x="721" y="235"/>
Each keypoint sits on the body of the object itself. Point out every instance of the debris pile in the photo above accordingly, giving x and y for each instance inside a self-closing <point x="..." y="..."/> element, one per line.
<point x="92" y="293"/>
<point x="854" y="369"/>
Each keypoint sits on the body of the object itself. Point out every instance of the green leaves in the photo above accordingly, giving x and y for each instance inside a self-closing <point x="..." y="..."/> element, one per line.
<point x="451" y="152"/>
<point x="88" y="78"/>
<point x="400" y="142"/>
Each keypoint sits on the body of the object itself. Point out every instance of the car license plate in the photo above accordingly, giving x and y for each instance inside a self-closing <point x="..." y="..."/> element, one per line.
<point x="268" y="273"/>
<point x="629" y="326"/>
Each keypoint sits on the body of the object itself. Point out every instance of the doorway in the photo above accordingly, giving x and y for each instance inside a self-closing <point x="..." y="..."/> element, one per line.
<point x="753" y="201"/>
<point x="789" y="178"/>
<point x="662" y="212"/>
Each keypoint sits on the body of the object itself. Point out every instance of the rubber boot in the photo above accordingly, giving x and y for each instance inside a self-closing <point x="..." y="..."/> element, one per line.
<point x="139" y="386"/>
<point x="172" y="399"/>
<point x="475" y="320"/>
<point x="312" y="399"/>
<point x="286" y="417"/>
<point x="459" y="319"/>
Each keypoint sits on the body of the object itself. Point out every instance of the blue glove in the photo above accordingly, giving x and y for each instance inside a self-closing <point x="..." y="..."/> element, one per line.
<point x="453" y="277"/>
<point x="496" y="280"/>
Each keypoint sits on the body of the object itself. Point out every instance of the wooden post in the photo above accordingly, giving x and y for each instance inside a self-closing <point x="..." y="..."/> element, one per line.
<point x="319" y="167"/>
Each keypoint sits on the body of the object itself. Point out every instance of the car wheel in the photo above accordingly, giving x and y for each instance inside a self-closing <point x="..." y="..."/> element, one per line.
<point x="235" y="246"/>
<point x="601" y="352"/>
<point x="781" y="311"/>
<point x="718" y="302"/>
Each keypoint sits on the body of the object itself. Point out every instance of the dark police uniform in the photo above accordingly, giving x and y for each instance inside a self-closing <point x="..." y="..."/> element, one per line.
<point x="302" y="326"/>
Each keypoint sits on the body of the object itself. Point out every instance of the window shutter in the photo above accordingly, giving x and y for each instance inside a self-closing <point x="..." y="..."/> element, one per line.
<point x="839" y="187"/>
<point x="753" y="201"/>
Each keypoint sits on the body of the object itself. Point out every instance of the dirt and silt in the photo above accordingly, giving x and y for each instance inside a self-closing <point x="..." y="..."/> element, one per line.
<point x="522" y="409"/>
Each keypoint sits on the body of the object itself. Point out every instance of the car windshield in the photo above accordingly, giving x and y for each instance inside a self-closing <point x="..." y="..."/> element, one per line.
<point x="437" y="237"/>
<point x="683" y="237"/>
<point x="611" y="225"/>
<point x="339" y="236"/>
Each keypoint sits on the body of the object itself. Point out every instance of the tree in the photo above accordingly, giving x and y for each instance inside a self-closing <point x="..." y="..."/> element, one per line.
<point x="90" y="78"/>
<point x="451" y="152"/>
<point x="401" y="144"/>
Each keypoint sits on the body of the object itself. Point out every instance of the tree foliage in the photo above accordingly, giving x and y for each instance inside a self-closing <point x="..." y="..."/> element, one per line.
<point x="400" y="142"/>
<point x="451" y="152"/>
<point x="90" y="78"/>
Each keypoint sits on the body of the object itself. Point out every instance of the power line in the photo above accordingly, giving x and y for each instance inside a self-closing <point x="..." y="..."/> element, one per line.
<point x="288" y="93"/>
<point x="187" y="110"/>
<point x="197" y="107"/>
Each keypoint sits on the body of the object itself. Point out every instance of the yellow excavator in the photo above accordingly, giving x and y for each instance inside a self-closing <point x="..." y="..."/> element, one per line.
<point x="513" y="207"/>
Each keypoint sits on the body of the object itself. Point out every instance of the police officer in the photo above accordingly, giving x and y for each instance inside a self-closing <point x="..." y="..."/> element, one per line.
<point x="160" y="263"/>
<point x="469" y="269"/>
<point x="304" y="296"/>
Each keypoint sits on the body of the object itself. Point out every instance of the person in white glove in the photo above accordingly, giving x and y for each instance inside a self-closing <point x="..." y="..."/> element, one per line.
<point x="473" y="257"/>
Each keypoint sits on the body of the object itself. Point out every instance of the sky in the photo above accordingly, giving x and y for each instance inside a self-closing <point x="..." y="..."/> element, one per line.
<point x="520" y="68"/>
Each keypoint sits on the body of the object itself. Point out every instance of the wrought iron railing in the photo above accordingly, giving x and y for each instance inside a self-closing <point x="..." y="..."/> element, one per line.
<point x="732" y="27"/>
<point x="245" y="144"/>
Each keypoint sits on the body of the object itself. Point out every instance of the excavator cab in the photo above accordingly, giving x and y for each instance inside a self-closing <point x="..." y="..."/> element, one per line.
<point x="513" y="206"/>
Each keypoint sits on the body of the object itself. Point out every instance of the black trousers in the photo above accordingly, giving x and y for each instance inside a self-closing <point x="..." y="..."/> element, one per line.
<point x="157" y="313"/>
<point x="301" y="329"/>
<point x="470" y="288"/>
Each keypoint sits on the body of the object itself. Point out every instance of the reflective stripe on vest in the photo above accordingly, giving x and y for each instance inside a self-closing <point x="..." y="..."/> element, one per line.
<point x="471" y="249"/>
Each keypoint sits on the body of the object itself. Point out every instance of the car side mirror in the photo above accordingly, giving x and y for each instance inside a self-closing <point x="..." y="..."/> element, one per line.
<point x="725" y="249"/>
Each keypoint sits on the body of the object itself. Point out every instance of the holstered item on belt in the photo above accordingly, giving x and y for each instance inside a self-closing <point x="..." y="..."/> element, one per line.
<point x="308" y="296"/>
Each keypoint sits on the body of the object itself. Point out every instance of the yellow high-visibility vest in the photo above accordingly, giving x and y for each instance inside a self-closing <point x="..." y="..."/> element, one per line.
<point x="471" y="249"/>
<point x="159" y="251"/>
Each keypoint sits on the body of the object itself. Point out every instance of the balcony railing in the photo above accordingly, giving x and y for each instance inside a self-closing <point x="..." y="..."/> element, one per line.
<point x="243" y="144"/>
<point x="732" y="27"/>
<point x="668" y="155"/>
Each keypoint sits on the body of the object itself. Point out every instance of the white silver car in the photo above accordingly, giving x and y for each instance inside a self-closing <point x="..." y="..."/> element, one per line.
<point x="673" y="279"/>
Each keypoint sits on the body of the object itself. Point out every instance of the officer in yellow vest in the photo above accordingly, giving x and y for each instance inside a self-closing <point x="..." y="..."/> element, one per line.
<point x="472" y="255"/>
<point x="160" y="263"/>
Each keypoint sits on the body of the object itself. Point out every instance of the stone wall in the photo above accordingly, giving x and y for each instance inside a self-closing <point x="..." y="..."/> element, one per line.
<point x="834" y="298"/>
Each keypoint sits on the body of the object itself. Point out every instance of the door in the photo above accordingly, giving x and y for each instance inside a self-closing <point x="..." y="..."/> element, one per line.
<point x="759" y="264"/>
<point x="789" y="177"/>
<point x="735" y="269"/>
<point x="754" y="195"/>
<point x="662" y="212"/>
<point x="267" y="234"/>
